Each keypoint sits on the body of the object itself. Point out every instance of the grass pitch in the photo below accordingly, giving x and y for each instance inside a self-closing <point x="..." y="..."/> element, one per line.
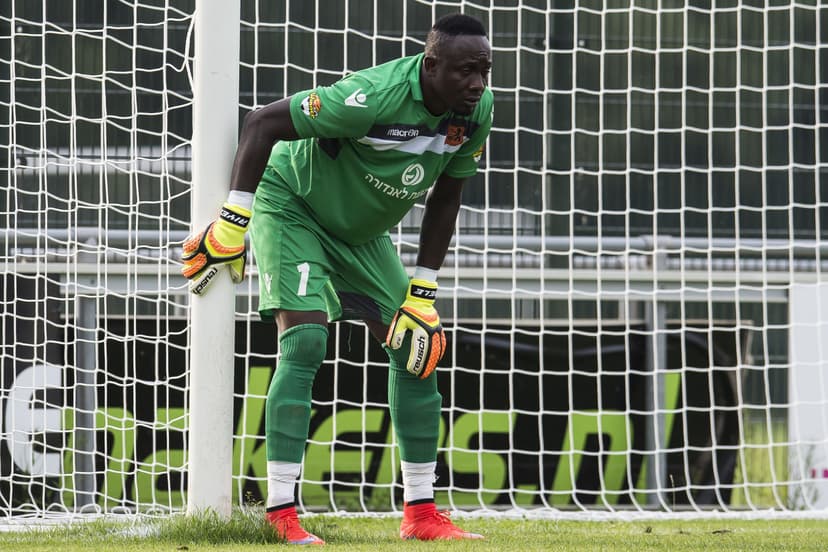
<point x="247" y="532"/>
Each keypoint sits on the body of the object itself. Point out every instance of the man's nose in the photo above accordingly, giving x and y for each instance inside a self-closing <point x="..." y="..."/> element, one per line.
<point x="478" y="82"/>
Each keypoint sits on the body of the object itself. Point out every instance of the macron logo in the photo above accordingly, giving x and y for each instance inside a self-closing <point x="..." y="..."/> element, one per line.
<point x="357" y="99"/>
<point x="268" y="278"/>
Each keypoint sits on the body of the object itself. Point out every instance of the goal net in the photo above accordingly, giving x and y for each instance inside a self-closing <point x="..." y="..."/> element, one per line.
<point x="634" y="297"/>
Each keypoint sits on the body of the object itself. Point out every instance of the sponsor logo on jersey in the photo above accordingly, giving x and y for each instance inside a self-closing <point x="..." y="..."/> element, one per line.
<point x="357" y="99"/>
<point x="394" y="191"/>
<point x="397" y="132"/>
<point x="312" y="105"/>
<point x="455" y="134"/>
<point x="412" y="175"/>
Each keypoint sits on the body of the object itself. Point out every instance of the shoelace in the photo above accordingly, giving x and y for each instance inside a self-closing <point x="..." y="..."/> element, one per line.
<point x="287" y="523"/>
<point x="442" y="517"/>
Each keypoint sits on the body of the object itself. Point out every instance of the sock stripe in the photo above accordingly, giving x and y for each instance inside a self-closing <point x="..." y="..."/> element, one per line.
<point x="420" y="501"/>
<point x="280" y="507"/>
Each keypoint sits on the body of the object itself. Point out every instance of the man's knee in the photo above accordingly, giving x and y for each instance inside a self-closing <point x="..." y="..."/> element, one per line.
<point x="305" y="344"/>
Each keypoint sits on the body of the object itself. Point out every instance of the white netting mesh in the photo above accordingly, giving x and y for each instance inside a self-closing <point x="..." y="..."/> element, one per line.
<point x="634" y="294"/>
<point x="96" y="128"/>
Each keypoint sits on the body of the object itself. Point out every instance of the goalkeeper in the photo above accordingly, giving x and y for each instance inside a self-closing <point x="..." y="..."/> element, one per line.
<point x="321" y="176"/>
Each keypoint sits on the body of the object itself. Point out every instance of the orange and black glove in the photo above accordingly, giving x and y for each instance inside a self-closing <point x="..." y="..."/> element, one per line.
<point x="221" y="243"/>
<point x="418" y="315"/>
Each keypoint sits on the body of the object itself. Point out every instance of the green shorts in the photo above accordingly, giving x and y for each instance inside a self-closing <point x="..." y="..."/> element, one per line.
<point x="304" y="268"/>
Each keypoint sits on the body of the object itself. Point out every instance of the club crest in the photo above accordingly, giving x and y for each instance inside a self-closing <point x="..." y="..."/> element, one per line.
<point x="312" y="105"/>
<point x="455" y="135"/>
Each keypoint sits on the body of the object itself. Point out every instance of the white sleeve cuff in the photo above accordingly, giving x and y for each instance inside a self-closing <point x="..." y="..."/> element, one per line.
<point x="423" y="273"/>
<point x="242" y="199"/>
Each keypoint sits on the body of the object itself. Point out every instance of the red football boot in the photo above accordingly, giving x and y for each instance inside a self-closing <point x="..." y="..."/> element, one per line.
<point x="423" y="522"/>
<point x="285" y="522"/>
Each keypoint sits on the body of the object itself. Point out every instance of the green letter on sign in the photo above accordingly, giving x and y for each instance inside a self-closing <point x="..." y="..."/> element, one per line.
<point x="329" y="459"/>
<point x="489" y="465"/>
<point x="614" y="425"/>
<point x="249" y="450"/>
<point x="162" y="464"/>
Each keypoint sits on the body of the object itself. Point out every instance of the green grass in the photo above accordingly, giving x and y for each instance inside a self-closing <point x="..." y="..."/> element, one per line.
<point x="246" y="532"/>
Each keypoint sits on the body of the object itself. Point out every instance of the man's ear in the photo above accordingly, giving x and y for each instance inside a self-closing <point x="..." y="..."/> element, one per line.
<point x="429" y="64"/>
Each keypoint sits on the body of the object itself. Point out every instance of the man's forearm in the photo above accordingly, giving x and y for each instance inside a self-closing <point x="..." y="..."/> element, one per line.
<point x="439" y="220"/>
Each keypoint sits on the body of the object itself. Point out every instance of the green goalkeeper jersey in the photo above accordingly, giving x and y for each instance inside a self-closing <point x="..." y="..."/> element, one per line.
<point x="370" y="149"/>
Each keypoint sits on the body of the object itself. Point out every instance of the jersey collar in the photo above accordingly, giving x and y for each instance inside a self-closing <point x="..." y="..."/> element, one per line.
<point x="417" y="92"/>
<point x="414" y="79"/>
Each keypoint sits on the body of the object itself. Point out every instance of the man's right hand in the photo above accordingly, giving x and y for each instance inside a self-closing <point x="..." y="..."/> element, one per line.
<point x="221" y="243"/>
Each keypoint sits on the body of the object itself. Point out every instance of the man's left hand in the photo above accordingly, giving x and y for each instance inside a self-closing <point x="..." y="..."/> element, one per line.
<point x="418" y="315"/>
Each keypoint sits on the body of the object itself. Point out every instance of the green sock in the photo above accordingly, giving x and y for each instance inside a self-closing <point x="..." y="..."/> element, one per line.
<point x="287" y="417"/>
<point x="415" y="408"/>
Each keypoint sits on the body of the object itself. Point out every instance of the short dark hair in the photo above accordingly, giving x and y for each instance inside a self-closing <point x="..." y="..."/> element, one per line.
<point x="451" y="25"/>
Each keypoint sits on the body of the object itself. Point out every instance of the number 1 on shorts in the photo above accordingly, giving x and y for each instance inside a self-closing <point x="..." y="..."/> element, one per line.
<point x="304" y="272"/>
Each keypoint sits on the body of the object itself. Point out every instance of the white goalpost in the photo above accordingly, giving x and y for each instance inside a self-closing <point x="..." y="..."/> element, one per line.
<point x="212" y="327"/>
<point x="635" y="297"/>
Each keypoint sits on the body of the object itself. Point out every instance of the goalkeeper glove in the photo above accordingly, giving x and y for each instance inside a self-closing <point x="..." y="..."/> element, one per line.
<point x="221" y="243"/>
<point x="417" y="314"/>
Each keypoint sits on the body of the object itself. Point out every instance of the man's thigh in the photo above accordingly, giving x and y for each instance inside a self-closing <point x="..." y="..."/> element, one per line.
<point x="292" y="262"/>
<point x="302" y="267"/>
<point x="370" y="281"/>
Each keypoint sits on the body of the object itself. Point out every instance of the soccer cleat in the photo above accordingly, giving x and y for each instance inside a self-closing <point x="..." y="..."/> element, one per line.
<point x="286" y="524"/>
<point x="424" y="522"/>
